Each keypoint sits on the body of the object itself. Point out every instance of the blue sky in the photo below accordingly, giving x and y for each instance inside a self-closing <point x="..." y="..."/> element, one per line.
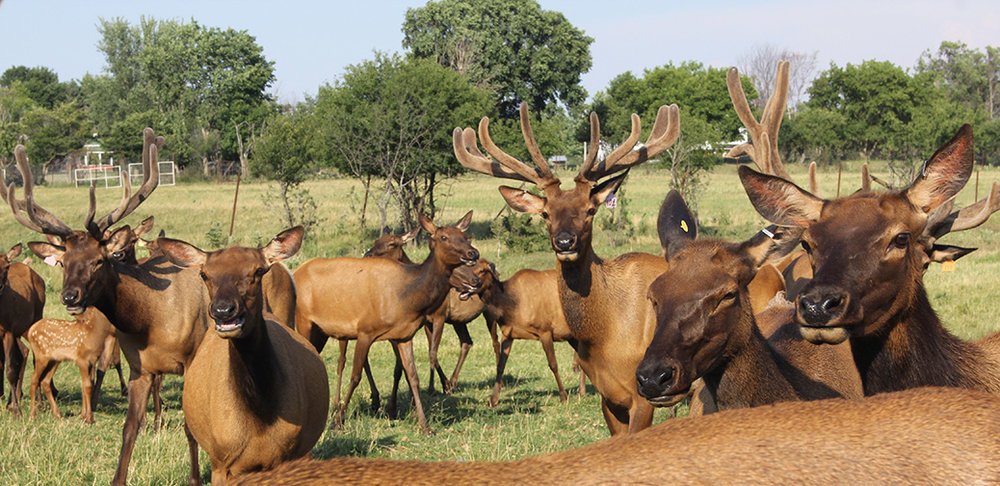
<point x="311" y="42"/>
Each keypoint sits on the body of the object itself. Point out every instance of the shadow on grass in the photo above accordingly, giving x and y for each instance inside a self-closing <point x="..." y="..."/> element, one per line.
<point x="335" y="445"/>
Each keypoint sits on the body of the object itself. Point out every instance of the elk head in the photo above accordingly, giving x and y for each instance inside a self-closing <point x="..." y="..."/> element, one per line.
<point x="86" y="255"/>
<point x="5" y="261"/>
<point x="470" y="280"/>
<point x="233" y="277"/>
<point x="699" y="302"/>
<point x="868" y="250"/>
<point x="568" y="213"/>
<point x="449" y="244"/>
<point x="391" y="246"/>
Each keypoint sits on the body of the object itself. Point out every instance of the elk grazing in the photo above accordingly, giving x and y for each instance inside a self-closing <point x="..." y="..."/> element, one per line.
<point x="374" y="299"/>
<point x="22" y="298"/>
<point x="925" y="436"/>
<point x="160" y="311"/>
<point x="869" y="252"/>
<point x="603" y="301"/>
<point x="88" y="341"/>
<point x="256" y="394"/>
<point x="706" y="327"/>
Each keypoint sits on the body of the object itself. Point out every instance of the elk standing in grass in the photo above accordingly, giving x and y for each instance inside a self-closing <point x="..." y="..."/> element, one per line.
<point x="256" y="394"/>
<point x="926" y="436"/>
<point x="604" y="302"/>
<point x="374" y="299"/>
<point x="869" y="252"/>
<point x="22" y="298"/>
<point x="160" y="311"/>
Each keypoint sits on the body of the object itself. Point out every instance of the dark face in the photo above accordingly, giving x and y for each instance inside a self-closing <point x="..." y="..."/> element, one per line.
<point x="86" y="265"/>
<point x="388" y="246"/>
<point x="866" y="252"/>
<point x="469" y="280"/>
<point x="233" y="279"/>
<point x="698" y="302"/>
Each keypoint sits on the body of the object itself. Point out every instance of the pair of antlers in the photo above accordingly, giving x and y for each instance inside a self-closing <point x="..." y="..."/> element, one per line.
<point x="666" y="129"/>
<point x="36" y="218"/>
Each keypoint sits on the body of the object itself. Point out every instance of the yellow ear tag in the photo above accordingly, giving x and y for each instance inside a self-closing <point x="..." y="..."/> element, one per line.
<point x="948" y="266"/>
<point x="684" y="225"/>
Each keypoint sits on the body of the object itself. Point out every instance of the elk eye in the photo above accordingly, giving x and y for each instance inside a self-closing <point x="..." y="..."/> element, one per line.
<point x="118" y="255"/>
<point x="591" y="211"/>
<point x="203" y="276"/>
<point x="444" y="238"/>
<point x="901" y="240"/>
<point x="259" y="272"/>
<point x="545" y="215"/>
<point x="731" y="295"/>
<point x="807" y="247"/>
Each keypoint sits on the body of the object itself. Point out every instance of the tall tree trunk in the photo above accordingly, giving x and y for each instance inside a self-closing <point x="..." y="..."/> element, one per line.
<point x="364" y="205"/>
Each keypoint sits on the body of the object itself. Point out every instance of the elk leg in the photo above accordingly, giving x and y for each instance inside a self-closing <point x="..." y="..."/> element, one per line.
<point x="157" y="401"/>
<point x="640" y="416"/>
<point x="583" y="376"/>
<point x="341" y="362"/>
<point x="491" y="325"/>
<point x="615" y="416"/>
<point x="405" y="352"/>
<point x="376" y="401"/>
<point x="15" y="361"/>
<point x="508" y="341"/>
<point x="397" y="373"/>
<point x="360" y="358"/>
<point x="462" y="330"/>
<point x="48" y="375"/>
<point x="98" y="381"/>
<point x="87" y="391"/>
<point x="138" y="397"/>
<point x="550" y="355"/>
<point x="433" y="344"/>
<point x="36" y="379"/>
<point x="195" y="478"/>
<point x="121" y="379"/>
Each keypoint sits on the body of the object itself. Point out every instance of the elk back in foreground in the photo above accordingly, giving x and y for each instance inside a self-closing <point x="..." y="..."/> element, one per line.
<point x="374" y="299"/>
<point x="603" y="301"/>
<point x="256" y="393"/>
<point x="925" y="436"/>
<point x="22" y="298"/>
<point x="706" y="326"/>
<point x="869" y="252"/>
<point x="160" y="311"/>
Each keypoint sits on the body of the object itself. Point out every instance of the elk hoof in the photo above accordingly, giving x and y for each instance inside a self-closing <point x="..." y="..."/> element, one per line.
<point x="563" y="397"/>
<point x="493" y="401"/>
<point x="376" y="404"/>
<point x="425" y="430"/>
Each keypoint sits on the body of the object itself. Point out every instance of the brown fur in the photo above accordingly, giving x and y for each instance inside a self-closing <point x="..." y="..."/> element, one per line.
<point x="926" y="436"/>
<point x="22" y="299"/>
<point x="260" y="397"/>
<point x="279" y="295"/>
<point x="88" y="341"/>
<point x="374" y="299"/>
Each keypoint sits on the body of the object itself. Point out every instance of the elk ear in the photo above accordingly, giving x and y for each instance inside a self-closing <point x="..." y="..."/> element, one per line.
<point x="779" y="201"/>
<point x="119" y="239"/>
<point x="144" y="227"/>
<point x="522" y="201"/>
<point x="602" y="191"/>
<point x="427" y="224"/>
<point x="181" y="253"/>
<point x="14" y="252"/>
<point x="410" y="235"/>
<point x="386" y="230"/>
<point x="47" y="250"/>
<point x="463" y="224"/>
<point x="946" y="253"/>
<point x="494" y="272"/>
<point x="675" y="224"/>
<point x="284" y="246"/>
<point x="759" y="246"/>
<point x="945" y="173"/>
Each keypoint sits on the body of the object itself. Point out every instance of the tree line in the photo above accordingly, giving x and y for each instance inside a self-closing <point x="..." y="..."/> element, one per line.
<point x="387" y="121"/>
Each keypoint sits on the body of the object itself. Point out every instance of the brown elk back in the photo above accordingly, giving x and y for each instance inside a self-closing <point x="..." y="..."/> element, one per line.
<point x="925" y="436"/>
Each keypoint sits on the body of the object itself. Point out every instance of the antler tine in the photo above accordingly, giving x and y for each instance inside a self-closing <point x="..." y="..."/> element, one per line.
<point x="968" y="217"/>
<point x="529" y="140"/>
<point x="763" y="145"/>
<point x="509" y="161"/>
<point x="813" y="183"/>
<point x="42" y="220"/>
<point x="866" y="179"/>
<point x="151" y="179"/>
<point x="773" y="114"/>
<point x="666" y="129"/>
<point x="468" y="154"/>
<point x="593" y="149"/>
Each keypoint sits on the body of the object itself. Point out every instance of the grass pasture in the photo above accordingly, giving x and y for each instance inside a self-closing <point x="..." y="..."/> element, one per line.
<point x="529" y="419"/>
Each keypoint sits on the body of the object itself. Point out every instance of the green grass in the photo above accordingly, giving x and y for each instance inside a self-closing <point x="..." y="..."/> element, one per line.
<point x="529" y="419"/>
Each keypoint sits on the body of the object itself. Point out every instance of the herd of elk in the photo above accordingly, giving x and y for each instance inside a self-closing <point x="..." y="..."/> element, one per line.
<point x="604" y="302"/>
<point x="256" y="394"/>
<point x="376" y="299"/>
<point x="924" y="436"/>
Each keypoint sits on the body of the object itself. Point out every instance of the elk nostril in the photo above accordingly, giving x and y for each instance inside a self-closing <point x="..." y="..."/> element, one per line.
<point x="71" y="296"/>
<point x="474" y="254"/>
<point x="665" y="376"/>
<point x="832" y="303"/>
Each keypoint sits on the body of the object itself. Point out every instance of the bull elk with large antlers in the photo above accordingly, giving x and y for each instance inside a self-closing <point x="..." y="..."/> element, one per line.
<point x="375" y="299"/>
<point x="603" y="301"/>
<point x="160" y="311"/>
<point x="22" y="298"/>
<point x="925" y="436"/>
<point x="869" y="252"/>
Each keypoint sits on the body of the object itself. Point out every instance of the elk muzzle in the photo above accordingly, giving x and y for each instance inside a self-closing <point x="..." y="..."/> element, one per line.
<point x="821" y="313"/>
<point x="564" y="243"/>
<point x="228" y="317"/>
<point x="72" y="298"/>
<point x="658" y="380"/>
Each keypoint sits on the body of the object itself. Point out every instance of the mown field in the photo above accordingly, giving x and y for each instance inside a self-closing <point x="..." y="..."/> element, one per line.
<point x="529" y="420"/>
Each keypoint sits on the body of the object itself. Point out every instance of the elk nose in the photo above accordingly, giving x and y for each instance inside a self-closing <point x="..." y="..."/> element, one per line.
<point x="819" y="308"/>
<point x="654" y="381"/>
<point x="71" y="296"/>
<point x="564" y="241"/>
<point x="223" y="310"/>
<point x="473" y="254"/>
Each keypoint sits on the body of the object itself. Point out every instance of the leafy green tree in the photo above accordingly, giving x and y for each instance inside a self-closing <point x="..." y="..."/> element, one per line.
<point x="969" y="76"/>
<point x="815" y="134"/>
<point x="41" y="85"/>
<point x="513" y="47"/>
<point x="281" y="156"/>
<point x="391" y="119"/>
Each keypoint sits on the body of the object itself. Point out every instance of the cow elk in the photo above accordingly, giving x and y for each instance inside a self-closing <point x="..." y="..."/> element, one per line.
<point x="925" y="436"/>
<point x="375" y="299"/>
<point x="22" y="298"/>
<point x="256" y="394"/>
<point x="603" y="301"/>
<point x="869" y="252"/>
<point x="706" y="327"/>
<point x="88" y="341"/>
<point x="160" y="311"/>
